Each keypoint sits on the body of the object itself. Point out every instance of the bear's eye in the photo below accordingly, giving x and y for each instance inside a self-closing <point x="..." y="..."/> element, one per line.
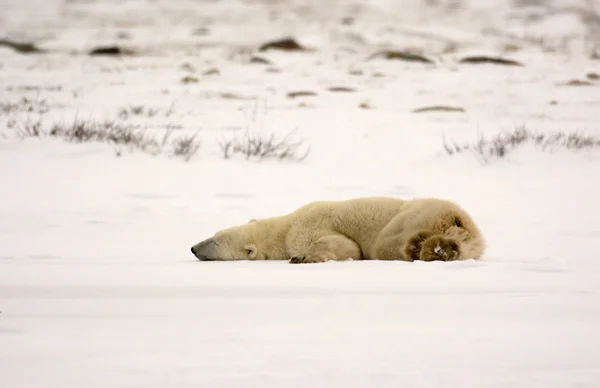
<point x="458" y="223"/>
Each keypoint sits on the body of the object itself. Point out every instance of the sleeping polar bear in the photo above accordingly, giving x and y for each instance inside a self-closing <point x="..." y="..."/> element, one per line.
<point x="375" y="228"/>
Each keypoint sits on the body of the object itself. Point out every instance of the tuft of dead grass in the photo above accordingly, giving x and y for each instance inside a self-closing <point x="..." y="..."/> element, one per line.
<point x="264" y="146"/>
<point x="108" y="131"/>
<point x="25" y="104"/>
<point x="185" y="147"/>
<point x="126" y="112"/>
<point x="28" y="128"/>
<point x="117" y="133"/>
<point x="500" y="145"/>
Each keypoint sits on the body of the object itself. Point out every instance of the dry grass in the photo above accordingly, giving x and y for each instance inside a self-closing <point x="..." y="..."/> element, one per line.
<point x="257" y="143"/>
<point x="265" y="146"/>
<point x="185" y="147"/>
<point x="27" y="105"/>
<point x="28" y="128"/>
<point x="108" y="131"/>
<point x="117" y="133"/>
<point x="502" y="144"/>
<point x="143" y="111"/>
<point x="124" y="134"/>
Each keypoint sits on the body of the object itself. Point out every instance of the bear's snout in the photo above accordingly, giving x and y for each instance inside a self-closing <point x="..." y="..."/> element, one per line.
<point x="205" y="250"/>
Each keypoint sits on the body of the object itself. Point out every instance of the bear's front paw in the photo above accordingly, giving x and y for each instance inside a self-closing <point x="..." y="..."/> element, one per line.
<point x="297" y="259"/>
<point x="440" y="248"/>
<point x="412" y="249"/>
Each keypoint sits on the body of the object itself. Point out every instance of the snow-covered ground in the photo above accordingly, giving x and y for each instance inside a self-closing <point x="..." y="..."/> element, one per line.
<point x="98" y="287"/>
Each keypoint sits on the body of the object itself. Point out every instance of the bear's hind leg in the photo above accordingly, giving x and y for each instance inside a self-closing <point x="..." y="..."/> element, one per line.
<point x="330" y="247"/>
<point x="440" y="248"/>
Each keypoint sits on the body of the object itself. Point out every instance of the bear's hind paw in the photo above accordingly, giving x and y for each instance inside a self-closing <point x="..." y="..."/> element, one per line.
<point x="440" y="248"/>
<point x="412" y="249"/>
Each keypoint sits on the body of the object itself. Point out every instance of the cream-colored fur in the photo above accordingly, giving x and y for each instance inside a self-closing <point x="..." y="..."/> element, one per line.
<point x="375" y="228"/>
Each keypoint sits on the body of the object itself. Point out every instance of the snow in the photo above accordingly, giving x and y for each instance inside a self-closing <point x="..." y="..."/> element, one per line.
<point x="97" y="284"/>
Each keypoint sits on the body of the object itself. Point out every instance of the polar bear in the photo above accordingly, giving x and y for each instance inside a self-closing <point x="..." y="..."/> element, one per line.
<point x="372" y="228"/>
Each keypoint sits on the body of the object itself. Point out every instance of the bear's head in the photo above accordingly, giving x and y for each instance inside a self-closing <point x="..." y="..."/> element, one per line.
<point x="235" y="243"/>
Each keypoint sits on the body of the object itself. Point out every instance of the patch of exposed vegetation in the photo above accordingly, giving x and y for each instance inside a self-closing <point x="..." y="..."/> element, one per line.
<point x="341" y="89"/>
<point x="502" y="144"/>
<point x="187" y="67"/>
<point x="285" y="44"/>
<point x="260" y="61"/>
<point x="401" y="56"/>
<point x="125" y="113"/>
<point x="264" y="146"/>
<point x="111" y="51"/>
<point x="28" y="128"/>
<point x="35" y="88"/>
<point x="185" y="147"/>
<point x="114" y="132"/>
<point x="211" y="71"/>
<point x="593" y="76"/>
<point x="107" y="131"/>
<point x="301" y="93"/>
<point x="234" y="96"/>
<point x="201" y="31"/>
<point x="188" y="79"/>
<point x="439" y="108"/>
<point x="28" y="105"/>
<point x="511" y="47"/>
<point x="20" y="47"/>
<point x="576" y="82"/>
<point x="478" y="60"/>
<point x="123" y="35"/>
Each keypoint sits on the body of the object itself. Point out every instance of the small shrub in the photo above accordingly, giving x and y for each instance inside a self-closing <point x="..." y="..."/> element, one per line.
<point x="112" y="132"/>
<point x="136" y="110"/>
<point x="142" y="111"/>
<point x="502" y="144"/>
<point x="30" y="128"/>
<point x="25" y="104"/>
<point x="262" y="146"/>
<point x="185" y="147"/>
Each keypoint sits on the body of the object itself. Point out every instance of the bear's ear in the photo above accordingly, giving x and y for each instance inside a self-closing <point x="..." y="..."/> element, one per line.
<point x="251" y="250"/>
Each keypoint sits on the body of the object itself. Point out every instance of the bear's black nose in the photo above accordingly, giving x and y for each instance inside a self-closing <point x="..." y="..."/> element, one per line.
<point x="194" y="252"/>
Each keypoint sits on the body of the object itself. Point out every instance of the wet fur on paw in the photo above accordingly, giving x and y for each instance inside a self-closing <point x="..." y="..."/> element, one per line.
<point x="306" y="259"/>
<point x="440" y="248"/>
<point x="412" y="249"/>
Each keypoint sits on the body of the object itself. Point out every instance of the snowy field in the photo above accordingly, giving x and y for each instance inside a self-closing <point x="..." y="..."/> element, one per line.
<point x="98" y="287"/>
